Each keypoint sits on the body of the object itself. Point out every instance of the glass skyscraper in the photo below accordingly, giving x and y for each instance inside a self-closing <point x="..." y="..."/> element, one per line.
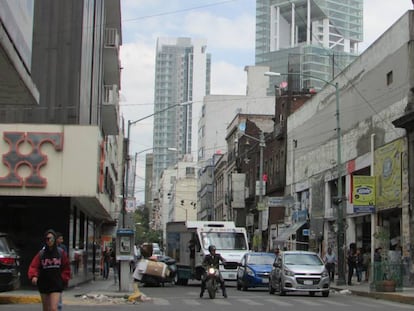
<point x="316" y="38"/>
<point x="182" y="79"/>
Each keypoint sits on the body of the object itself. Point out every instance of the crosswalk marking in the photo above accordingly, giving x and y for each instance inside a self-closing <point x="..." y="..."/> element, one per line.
<point x="279" y="302"/>
<point x="370" y="305"/>
<point x="161" y="302"/>
<point x="191" y="302"/>
<point x="250" y="302"/>
<point x="334" y="303"/>
<point x="395" y="304"/>
<point x="308" y="302"/>
<point x="222" y="302"/>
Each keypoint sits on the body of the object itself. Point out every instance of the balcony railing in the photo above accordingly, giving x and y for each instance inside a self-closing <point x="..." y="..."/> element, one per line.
<point x="111" y="38"/>
<point x="111" y="95"/>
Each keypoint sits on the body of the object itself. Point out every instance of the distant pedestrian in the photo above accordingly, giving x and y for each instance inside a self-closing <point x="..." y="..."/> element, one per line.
<point x="277" y="251"/>
<point x="106" y="257"/>
<point x="377" y="254"/>
<point x="359" y="264"/>
<point x="378" y="269"/>
<point x="59" y="243"/>
<point x="49" y="270"/>
<point x="366" y="263"/>
<point x="114" y="265"/>
<point x="330" y="262"/>
<point x="351" y="260"/>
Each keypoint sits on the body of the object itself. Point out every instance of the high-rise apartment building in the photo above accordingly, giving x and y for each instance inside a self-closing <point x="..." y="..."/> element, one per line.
<point x="316" y="38"/>
<point x="182" y="79"/>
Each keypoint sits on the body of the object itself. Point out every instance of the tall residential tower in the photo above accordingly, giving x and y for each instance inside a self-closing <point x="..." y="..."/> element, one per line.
<point x="182" y="79"/>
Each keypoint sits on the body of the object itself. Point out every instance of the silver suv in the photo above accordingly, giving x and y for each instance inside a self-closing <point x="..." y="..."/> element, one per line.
<point x="299" y="271"/>
<point x="9" y="264"/>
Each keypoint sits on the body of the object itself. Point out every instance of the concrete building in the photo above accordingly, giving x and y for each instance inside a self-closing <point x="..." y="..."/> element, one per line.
<point x="375" y="95"/>
<point x="16" y="82"/>
<point x="244" y="133"/>
<point x="212" y="132"/>
<point x="62" y="146"/>
<point x="177" y="194"/>
<point x="314" y="37"/>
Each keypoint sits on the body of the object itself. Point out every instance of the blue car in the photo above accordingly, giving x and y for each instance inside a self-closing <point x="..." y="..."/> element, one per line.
<point x="254" y="270"/>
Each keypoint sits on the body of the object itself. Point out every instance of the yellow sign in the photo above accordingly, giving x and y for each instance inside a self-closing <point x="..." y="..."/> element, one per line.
<point x="363" y="191"/>
<point x="261" y="206"/>
<point x="388" y="172"/>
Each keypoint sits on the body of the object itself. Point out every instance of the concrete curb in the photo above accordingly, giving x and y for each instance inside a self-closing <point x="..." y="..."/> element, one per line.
<point x="395" y="297"/>
<point x="386" y="296"/>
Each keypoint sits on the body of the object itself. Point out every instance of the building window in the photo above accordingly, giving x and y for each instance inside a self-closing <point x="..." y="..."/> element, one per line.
<point x="389" y="78"/>
<point x="189" y="171"/>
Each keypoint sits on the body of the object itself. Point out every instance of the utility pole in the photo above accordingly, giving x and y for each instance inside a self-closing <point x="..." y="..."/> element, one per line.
<point x="340" y="217"/>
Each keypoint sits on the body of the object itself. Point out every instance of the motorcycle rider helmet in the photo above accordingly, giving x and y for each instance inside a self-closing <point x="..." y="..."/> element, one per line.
<point x="211" y="248"/>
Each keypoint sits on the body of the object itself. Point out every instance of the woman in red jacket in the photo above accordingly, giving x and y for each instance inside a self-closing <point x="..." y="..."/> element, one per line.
<point x="50" y="271"/>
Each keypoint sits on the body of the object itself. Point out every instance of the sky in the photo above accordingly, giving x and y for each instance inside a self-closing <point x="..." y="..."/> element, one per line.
<point x="229" y="28"/>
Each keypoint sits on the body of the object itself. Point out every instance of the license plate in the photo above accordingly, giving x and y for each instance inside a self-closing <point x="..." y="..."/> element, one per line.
<point x="232" y="276"/>
<point x="265" y="280"/>
<point x="308" y="282"/>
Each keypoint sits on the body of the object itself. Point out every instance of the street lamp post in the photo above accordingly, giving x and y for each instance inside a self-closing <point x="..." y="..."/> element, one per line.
<point x="124" y="265"/>
<point x="130" y="123"/>
<point x="262" y="145"/>
<point x="340" y="214"/>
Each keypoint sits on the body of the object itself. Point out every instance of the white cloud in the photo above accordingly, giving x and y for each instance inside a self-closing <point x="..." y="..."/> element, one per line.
<point x="227" y="79"/>
<point x="235" y="33"/>
<point x="379" y="16"/>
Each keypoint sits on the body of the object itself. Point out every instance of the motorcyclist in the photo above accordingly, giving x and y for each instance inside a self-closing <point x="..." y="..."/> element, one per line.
<point x="212" y="259"/>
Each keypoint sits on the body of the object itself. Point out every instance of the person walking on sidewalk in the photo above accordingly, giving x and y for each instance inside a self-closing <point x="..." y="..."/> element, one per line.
<point x="106" y="257"/>
<point x="366" y="263"/>
<point x="359" y="264"/>
<point x="114" y="265"/>
<point x="351" y="261"/>
<point x="59" y="243"/>
<point x="330" y="262"/>
<point x="50" y="271"/>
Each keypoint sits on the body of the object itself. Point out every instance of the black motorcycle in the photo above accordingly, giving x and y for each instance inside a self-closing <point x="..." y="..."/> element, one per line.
<point x="212" y="276"/>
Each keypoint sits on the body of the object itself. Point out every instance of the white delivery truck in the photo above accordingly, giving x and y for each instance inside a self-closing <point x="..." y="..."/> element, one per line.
<point x="188" y="242"/>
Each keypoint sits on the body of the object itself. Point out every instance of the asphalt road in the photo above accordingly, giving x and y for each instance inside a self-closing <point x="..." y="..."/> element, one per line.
<point x="186" y="298"/>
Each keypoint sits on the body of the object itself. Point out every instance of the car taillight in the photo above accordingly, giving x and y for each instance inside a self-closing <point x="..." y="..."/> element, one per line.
<point x="7" y="261"/>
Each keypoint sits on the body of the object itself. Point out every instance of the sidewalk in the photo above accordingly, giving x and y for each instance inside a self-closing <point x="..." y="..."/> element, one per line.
<point x="99" y="290"/>
<point x="102" y="291"/>
<point x="404" y="295"/>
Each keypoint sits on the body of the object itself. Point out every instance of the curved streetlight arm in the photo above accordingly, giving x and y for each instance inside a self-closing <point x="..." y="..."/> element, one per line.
<point x="125" y="192"/>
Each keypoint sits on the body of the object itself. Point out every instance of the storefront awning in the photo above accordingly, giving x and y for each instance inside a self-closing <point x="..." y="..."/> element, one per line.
<point x="288" y="231"/>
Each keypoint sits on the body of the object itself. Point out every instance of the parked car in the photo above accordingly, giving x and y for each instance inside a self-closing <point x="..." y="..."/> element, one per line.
<point x="299" y="271"/>
<point x="9" y="264"/>
<point x="254" y="270"/>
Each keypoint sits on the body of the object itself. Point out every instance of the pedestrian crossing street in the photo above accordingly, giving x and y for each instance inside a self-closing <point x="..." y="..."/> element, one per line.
<point x="295" y="301"/>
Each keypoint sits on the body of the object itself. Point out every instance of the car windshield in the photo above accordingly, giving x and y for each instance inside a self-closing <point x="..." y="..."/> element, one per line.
<point x="260" y="260"/>
<point x="224" y="240"/>
<point x="4" y="247"/>
<point x="302" y="259"/>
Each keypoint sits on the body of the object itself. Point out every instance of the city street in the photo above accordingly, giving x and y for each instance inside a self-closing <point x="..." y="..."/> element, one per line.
<point x="185" y="298"/>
